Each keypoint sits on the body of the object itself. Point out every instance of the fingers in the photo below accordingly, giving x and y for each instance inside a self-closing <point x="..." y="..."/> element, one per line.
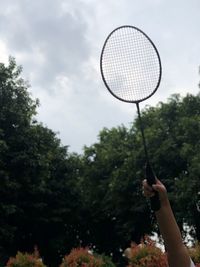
<point x="159" y="187"/>
<point x="147" y="189"/>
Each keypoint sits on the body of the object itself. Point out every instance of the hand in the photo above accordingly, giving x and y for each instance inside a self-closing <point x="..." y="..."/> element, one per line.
<point x="149" y="191"/>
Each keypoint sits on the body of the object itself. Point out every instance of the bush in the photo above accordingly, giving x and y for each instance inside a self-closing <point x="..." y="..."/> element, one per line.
<point x="195" y="254"/>
<point x="107" y="262"/>
<point x="25" y="260"/>
<point x="147" y="255"/>
<point x="81" y="257"/>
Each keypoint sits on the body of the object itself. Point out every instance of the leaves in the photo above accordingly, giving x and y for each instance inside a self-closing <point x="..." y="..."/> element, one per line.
<point x="146" y="254"/>
<point x="60" y="200"/>
<point x="25" y="260"/>
<point x="37" y="174"/>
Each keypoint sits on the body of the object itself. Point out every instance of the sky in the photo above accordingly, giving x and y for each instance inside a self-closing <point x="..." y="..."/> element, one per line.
<point x="59" y="42"/>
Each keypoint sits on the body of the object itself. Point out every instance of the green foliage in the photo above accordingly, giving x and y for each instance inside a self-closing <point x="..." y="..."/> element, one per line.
<point x="60" y="200"/>
<point x="38" y="192"/>
<point x="113" y="171"/>
<point x="172" y="130"/>
<point x="112" y="192"/>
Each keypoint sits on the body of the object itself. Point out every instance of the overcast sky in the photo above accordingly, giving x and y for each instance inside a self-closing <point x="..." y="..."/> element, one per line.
<point x="58" y="43"/>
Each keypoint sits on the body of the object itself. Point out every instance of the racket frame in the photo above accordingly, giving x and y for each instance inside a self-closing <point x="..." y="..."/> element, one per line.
<point x="159" y="62"/>
<point x="151" y="178"/>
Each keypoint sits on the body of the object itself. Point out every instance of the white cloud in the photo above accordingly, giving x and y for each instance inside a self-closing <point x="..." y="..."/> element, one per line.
<point x="3" y="53"/>
<point x="58" y="43"/>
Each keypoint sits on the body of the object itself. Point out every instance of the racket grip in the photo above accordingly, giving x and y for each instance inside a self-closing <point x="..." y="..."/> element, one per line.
<point x="151" y="179"/>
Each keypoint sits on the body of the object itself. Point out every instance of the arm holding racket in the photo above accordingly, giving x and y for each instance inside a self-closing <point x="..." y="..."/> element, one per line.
<point x="176" y="250"/>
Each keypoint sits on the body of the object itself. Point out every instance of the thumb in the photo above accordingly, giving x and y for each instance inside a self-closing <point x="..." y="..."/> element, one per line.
<point x="158" y="188"/>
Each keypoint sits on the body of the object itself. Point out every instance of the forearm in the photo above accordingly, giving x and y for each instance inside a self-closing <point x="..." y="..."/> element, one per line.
<point x="169" y="228"/>
<point x="176" y="251"/>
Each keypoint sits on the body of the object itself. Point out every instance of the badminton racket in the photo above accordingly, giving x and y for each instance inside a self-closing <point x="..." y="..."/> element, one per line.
<point x="131" y="70"/>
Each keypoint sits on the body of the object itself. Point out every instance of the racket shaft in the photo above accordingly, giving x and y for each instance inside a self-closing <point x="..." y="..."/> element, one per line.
<point x="155" y="202"/>
<point x="151" y="179"/>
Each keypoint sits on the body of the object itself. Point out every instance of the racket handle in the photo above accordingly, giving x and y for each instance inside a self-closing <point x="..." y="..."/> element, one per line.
<point x="151" y="179"/>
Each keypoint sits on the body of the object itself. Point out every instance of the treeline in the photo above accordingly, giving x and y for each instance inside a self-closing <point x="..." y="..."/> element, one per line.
<point x="59" y="200"/>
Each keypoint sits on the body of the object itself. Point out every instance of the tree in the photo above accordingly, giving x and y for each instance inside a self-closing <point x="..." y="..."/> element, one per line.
<point x="58" y="200"/>
<point x="115" y="211"/>
<point x="113" y="170"/>
<point x="39" y="200"/>
<point x="172" y="130"/>
<point x="16" y="110"/>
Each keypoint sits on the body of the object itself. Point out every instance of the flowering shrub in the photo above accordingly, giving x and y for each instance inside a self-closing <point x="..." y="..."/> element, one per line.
<point x="81" y="257"/>
<point x="195" y="254"/>
<point x="147" y="255"/>
<point x="25" y="260"/>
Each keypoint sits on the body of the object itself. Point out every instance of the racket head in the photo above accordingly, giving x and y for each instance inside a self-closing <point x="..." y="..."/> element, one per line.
<point x="130" y="64"/>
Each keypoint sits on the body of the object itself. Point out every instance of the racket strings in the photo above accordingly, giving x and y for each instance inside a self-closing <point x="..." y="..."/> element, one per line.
<point x="130" y="65"/>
